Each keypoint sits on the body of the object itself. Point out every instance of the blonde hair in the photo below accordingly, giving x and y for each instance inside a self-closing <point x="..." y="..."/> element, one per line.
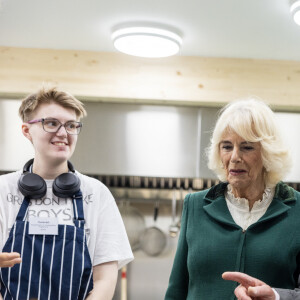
<point x="48" y="95"/>
<point x="254" y="121"/>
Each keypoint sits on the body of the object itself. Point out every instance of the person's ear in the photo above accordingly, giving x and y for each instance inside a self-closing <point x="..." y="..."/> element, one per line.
<point x="25" y="131"/>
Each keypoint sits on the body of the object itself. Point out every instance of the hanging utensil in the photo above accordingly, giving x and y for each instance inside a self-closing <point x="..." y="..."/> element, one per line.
<point x="181" y="200"/>
<point x="153" y="240"/>
<point x="173" y="229"/>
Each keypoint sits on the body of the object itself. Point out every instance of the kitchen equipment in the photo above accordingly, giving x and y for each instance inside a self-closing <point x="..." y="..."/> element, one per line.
<point x="174" y="228"/>
<point x="153" y="240"/>
<point x="124" y="283"/>
<point x="180" y="209"/>
<point x="134" y="223"/>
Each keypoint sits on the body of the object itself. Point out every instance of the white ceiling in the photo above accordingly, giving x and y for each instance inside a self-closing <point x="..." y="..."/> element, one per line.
<point x="210" y="28"/>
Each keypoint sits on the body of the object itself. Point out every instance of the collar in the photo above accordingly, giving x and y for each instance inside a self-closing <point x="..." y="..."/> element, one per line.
<point x="216" y="207"/>
<point x="243" y="204"/>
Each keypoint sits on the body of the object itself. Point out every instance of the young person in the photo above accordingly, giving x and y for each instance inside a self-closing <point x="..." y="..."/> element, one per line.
<point x="60" y="228"/>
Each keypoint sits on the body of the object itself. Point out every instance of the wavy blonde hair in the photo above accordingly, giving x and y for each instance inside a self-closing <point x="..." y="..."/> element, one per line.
<point x="254" y="121"/>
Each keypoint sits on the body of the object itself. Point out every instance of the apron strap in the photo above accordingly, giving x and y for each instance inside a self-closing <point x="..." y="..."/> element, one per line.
<point x="78" y="209"/>
<point x="23" y="209"/>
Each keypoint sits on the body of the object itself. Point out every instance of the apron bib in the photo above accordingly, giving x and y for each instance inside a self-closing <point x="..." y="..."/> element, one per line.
<point x="53" y="267"/>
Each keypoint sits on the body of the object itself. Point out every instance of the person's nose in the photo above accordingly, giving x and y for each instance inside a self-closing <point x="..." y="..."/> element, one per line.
<point x="236" y="155"/>
<point x="61" y="131"/>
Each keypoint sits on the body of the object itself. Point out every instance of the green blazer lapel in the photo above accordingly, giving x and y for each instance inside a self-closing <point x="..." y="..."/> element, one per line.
<point x="218" y="210"/>
<point x="276" y="208"/>
<point x="284" y="196"/>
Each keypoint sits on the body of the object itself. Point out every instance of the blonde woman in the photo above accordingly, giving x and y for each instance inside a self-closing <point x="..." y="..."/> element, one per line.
<point x="249" y="222"/>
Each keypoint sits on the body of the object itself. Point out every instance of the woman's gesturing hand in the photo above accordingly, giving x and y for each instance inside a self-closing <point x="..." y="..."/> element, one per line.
<point x="250" y="287"/>
<point x="9" y="259"/>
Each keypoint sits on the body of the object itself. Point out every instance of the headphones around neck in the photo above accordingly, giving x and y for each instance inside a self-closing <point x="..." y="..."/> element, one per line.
<point x="34" y="186"/>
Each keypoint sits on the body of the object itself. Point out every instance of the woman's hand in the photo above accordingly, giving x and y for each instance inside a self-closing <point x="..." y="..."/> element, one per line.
<point x="9" y="259"/>
<point x="250" y="287"/>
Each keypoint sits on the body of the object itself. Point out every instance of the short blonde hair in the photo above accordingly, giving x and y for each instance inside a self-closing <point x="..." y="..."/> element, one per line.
<point x="48" y="95"/>
<point x="254" y="121"/>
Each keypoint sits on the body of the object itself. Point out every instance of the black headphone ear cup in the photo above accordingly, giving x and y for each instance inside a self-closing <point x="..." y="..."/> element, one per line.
<point x="66" y="185"/>
<point x="32" y="185"/>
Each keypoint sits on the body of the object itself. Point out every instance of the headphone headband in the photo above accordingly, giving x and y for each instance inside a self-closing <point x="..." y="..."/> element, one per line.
<point x="27" y="166"/>
<point x="70" y="167"/>
<point x="30" y="162"/>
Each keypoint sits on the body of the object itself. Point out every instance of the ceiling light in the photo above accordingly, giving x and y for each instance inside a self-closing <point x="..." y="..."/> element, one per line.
<point x="146" y="41"/>
<point x="295" y="10"/>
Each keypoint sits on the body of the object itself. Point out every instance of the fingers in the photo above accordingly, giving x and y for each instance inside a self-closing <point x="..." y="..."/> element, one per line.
<point x="264" y="291"/>
<point x="250" y="287"/>
<point x="242" y="278"/>
<point x="241" y="293"/>
<point x="11" y="263"/>
<point x="8" y="256"/>
<point x="9" y="259"/>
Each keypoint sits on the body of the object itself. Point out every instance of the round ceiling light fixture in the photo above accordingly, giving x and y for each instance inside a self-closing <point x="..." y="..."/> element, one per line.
<point x="146" y="41"/>
<point x="295" y="10"/>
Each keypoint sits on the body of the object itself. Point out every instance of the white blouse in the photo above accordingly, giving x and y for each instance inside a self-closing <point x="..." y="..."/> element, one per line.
<point x="239" y="207"/>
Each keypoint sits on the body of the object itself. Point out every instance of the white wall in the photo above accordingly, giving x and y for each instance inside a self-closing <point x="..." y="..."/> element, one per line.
<point x="289" y="124"/>
<point x="15" y="149"/>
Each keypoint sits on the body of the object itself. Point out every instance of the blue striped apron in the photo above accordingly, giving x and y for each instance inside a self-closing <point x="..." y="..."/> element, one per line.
<point x="53" y="266"/>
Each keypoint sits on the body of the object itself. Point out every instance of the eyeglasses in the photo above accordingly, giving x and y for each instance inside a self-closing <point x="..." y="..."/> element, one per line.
<point x="53" y="125"/>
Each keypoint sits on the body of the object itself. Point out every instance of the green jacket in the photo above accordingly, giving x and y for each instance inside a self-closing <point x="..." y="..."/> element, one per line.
<point x="211" y="243"/>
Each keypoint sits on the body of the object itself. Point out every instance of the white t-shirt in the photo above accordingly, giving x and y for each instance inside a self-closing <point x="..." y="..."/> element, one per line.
<point x="106" y="236"/>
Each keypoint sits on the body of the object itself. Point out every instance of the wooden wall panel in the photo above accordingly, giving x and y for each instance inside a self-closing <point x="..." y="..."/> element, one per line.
<point x="115" y="77"/>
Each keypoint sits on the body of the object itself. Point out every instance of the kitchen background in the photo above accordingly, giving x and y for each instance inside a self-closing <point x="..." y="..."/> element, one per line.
<point x="149" y="120"/>
<point x="149" y="156"/>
